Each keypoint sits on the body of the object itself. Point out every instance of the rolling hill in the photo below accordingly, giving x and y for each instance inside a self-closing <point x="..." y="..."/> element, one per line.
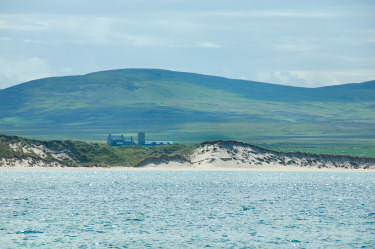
<point x="189" y="108"/>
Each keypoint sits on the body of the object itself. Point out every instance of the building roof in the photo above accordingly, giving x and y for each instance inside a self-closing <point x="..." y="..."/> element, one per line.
<point x="120" y="138"/>
<point x="158" y="142"/>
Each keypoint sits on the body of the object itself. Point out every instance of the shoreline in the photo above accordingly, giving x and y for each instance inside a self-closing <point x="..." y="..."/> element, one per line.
<point x="175" y="168"/>
<point x="219" y="155"/>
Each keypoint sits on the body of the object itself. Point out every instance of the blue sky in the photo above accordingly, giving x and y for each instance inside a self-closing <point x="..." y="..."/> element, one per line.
<point x="300" y="43"/>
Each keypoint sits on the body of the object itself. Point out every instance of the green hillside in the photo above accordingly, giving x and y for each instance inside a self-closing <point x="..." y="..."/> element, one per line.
<point x="188" y="108"/>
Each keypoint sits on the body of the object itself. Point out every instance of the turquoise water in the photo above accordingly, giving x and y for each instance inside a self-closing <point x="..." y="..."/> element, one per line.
<point x="187" y="210"/>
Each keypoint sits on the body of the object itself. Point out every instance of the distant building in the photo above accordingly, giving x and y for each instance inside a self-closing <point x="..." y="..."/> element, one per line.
<point x="158" y="143"/>
<point x="119" y="140"/>
<point x="141" y="138"/>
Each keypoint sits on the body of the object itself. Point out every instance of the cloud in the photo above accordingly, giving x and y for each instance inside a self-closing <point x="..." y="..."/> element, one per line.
<point x="371" y="40"/>
<point x="22" y="23"/>
<point x="268" y="14"/>
<point x="22" y="70"/>
<point x="209" y="45"/>
<point x="288" y="42"/>
<point x="295" y="46"/>
<point x="5" y="39"/>
<point x="32" y="41"/>
<point x="85" y="29"/>
<point x="315" y="78"/>
<point x="294" y="14"/>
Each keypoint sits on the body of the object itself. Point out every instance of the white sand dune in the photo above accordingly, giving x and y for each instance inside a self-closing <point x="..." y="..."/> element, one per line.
<point x="236" y="156"/>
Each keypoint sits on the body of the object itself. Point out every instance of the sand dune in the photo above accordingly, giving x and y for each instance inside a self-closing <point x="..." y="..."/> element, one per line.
<point x="213" y="156"/>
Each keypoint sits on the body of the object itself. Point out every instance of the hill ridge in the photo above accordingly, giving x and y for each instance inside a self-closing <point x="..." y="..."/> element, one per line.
<point x="192" y="73"/>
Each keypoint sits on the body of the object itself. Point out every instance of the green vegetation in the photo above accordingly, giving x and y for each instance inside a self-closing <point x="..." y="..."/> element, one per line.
<point x="359" y="151"/>
<point x="84" y="154"/>
<point x="90" y="154"/>
<point x="189" y="108"/>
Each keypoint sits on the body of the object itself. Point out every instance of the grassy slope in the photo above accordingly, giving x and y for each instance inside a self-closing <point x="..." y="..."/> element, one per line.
<point x="87" y="154"/>
<point x="188" y="108"/>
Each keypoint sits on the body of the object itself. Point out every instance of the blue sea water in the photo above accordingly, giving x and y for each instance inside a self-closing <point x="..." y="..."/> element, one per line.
<point x="187" y="210"/>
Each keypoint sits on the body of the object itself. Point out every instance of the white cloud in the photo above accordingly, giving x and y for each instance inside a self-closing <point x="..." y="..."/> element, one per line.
<point x="270" y="13"/>
<point x="32" y="41"/>
<point x="85" y="29"/>
<point x="22" y="70"/>
<point x="315" y="78"/>
<point x="65" y="71"/>
<point x="138" y="40"/>
<point x="5" y="39"/>
<point x="22" y="23"/>
<point x="295" y="46"/>
<point x="295" y="14"/>
<point x="209" y="45"/>
<point x="369" y="40"/>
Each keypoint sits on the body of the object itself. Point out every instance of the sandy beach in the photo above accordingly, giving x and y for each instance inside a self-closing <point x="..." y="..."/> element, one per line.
<point x="182" y="167"/>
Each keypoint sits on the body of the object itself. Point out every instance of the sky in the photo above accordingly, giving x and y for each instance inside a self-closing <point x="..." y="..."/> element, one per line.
<point x="291" y="42"/>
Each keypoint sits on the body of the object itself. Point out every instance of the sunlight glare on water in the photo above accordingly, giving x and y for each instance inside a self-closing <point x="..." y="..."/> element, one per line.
<point x="187" y="209"/>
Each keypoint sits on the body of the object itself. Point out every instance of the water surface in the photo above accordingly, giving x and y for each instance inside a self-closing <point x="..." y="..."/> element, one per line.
<point x="187" y="210"/>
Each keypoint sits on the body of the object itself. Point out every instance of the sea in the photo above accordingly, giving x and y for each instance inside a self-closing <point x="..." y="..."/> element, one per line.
<point x="166" y="209"/>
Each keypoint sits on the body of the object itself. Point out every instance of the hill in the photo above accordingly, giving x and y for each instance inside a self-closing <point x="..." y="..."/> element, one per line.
<point x="188" y="108"/>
